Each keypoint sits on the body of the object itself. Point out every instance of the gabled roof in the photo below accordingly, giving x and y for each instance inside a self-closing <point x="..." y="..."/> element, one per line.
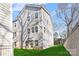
<point x="33" y="5"/>
<point x="38" y="6"/>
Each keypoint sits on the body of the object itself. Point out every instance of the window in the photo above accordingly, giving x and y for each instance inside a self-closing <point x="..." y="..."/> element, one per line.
<point x="15" y="24"/>
<point x="32" y="29"/>
<point x="28" y="18"/>
<point x="44" y="29"/>
<point x="28" y="31"/>
<point x="36" y="15"/>
<point x="47" y="21"/>
<point x="14" y="34"/>
<point x="15" y="44"/>
<point x="31" y="43"/>
<point x="32" y="16"/>
<point x="36" y="42"/>
<point x="26" y="43"/>
<point x="36" y="29"/>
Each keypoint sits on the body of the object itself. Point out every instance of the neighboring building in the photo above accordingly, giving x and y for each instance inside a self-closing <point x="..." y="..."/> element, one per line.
<point x="59" y="41"/>
<point x="5" y="30"/>
<point x="72" y="41"/>
<point x="34" y="26"/>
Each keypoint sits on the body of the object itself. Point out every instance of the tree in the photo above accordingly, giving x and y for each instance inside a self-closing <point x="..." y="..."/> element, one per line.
<point x="63" y="35"/>
<point x="55" y="35"/>
<point x="24" y="25"/>
<point x="68" y="13"/>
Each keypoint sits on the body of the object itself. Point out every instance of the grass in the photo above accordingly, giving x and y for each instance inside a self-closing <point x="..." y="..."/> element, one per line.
<point x="58" y="50"/>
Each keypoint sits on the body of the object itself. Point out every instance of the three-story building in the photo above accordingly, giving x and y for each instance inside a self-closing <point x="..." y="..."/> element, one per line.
<point x="33" y="28"/>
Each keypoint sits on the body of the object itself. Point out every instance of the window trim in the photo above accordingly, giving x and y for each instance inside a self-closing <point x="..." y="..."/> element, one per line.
<point x="15" y="34"/>
<point x="15" y="25"/>
<point x="27" y="42"/>
<point x="36" y="15"/>
<point x="15" y="44"/>
<point x="28" y="31"/>
<point x="36" y="42"/>
<point x="31" y="43"/>
<point x="36" y="28"/>
<point x="44" y="29"/>
<point x="28" y="18"/>
<point x="32" y="29"/>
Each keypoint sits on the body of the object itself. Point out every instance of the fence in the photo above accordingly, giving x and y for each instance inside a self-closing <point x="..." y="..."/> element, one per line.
<point x="6" y="50"/>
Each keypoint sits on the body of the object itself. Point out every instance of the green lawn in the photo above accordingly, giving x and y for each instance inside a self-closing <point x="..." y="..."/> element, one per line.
<point x="58" y="50"/>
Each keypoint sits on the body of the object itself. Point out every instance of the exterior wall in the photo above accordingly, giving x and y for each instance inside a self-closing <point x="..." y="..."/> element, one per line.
<point x="40" y="35"/>
<point x="48" y="34"/>
<point x="73" y="25"/>
<point x="72" y="43"/>
<point x="5" y="30"/>
<point x="34" y="36"/>
<point x="16" y="36"/>
<point x="73" y="40"/>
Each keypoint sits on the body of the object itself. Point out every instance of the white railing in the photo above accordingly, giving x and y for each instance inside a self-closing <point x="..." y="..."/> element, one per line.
<point x="6" y="50"/>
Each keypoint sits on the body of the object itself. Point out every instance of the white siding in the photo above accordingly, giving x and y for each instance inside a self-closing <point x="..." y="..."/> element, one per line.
<point x="39" y="22"/>
<point x="5" y="30"/>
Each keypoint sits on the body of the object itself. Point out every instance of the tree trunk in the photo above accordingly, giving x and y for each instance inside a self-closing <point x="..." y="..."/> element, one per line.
<point x="67" y="31"/>
<point x="22" y="38"/>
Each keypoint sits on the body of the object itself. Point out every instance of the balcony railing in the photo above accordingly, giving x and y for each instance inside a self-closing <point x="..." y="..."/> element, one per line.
<point x="5" y="50"/>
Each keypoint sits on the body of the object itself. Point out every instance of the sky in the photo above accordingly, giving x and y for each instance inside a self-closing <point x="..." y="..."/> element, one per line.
<point x="51" y="7"/>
